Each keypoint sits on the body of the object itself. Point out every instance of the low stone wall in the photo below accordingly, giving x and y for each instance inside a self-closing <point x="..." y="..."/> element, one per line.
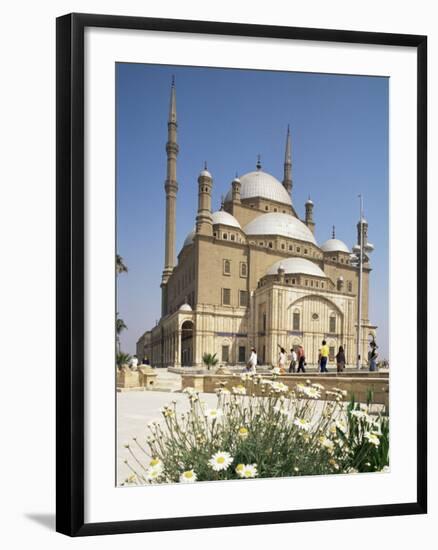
<point x="143" y="378"/>
<point x="355" y="386"/>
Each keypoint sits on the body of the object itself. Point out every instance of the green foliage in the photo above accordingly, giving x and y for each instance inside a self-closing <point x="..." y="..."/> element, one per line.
<point x="120" y="265"/>
<point x="122" y="359"/>
<point x="210" y="360"/>
<point x="120" y="326"/>
<point x="280" y="435"/>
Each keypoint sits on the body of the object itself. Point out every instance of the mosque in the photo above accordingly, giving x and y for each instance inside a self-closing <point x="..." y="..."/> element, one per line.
<point x="252" y="275"/>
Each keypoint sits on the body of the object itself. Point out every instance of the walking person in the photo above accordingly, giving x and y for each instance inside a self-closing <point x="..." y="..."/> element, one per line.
<point x="340" y="360"/>
<point x="282" y="360"/>
<point x="293" y="360"/>
<point x="324" y="356"/>
<point x="252" y="362"/>
<point x="301" y="359"/>
<point x="319" y="360"/>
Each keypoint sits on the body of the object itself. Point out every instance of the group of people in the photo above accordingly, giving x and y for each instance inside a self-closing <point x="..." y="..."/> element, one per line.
<point x="297" y="359"/>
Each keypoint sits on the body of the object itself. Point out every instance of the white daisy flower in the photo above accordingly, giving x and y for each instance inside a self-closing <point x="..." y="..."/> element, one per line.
<point x="312" y="392"/>
<point x="156" y="463"/>
<point x="326" y="442"/>
<point x="188" y="476"/>
<point x="247" y="471"/>
<point x="152" y="474"/>
<point x="220" y="461"/>
<point x="372" y="438"/>
<point x="318" y="386"/>
<point x="213" y="414"/>
<point x="239" y="390"/>
<point x="243" y="432"/>
<point x="279" y="387"/>
<point x="302" y="424"/>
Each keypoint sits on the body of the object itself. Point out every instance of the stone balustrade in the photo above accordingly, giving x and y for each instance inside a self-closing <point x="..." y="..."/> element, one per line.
<point x="355" y="386"/>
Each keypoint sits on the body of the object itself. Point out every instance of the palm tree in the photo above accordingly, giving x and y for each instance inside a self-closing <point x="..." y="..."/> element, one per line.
<point x="122" y="359"/>
<point x="120" y="265"/>
<point x="210" y="360"/>
<point x="120" y="326"/>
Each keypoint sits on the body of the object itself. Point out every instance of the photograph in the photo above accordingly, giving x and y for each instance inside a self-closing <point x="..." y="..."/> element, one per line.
<point x="252" y="274"/>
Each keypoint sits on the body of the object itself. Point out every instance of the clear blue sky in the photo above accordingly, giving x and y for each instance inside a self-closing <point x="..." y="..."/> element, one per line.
<point x="339" y="127"/>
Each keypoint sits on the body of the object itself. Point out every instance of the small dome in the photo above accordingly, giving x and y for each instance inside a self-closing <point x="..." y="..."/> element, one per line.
<point x="236" y="180"/>
<point x="225" y="219"/>
<point x="309" y="201"/>
<point x="189" y="239"/>
<point x="261" y="184"/>
<point x="205" y="174"/>
<point x="186" y="307"/>
<point x="334" y="245"/>
<point x="296" y="266"/>
<point x="275" y="223"/>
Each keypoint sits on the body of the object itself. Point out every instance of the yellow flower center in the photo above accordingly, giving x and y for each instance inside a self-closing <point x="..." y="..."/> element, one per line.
<point x="220" y="460"/>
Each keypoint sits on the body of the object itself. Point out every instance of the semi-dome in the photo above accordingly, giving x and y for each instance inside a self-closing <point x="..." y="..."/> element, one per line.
<point x="225" y="219"/>
<point x="189" y="239"/>
<point x="261" y="184"/>
<point x="276" y="223"/>
<point x="334" y="245"/>
<point x="293" y="266"/>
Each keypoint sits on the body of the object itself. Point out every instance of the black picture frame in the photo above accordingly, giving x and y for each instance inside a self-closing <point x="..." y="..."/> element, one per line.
<point x="70" y="273"/>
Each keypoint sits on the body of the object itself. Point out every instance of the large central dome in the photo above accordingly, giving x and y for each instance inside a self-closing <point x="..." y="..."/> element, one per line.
<point x="276" y="223"/>
<point x="261" y="184"/>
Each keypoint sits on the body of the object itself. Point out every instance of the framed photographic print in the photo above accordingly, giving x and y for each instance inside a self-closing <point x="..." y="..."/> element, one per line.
<point x="241" y="274"/>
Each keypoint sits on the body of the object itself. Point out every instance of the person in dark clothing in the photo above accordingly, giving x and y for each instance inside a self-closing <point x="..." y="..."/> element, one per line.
<point x="301" y="359"/>
<point x="340" y="360"/>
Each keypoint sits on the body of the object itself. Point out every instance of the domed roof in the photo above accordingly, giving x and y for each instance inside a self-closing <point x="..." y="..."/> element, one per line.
<point x="204" y="174"/>
<point x="189" y="238"/>
<point x="296" y="265"/>
<point x="225" y="219"/>
<point x="186" y="307"/>
<point x="276" y="223"/>
<point x="334" y="245"/>
<point x="261" y="184"/>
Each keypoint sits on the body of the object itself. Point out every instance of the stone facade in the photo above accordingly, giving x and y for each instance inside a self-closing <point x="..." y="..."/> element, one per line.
<point x="222" y="297"/>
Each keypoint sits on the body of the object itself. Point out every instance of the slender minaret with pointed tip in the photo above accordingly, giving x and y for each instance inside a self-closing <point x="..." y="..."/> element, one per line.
<point x="309" y="215"/>
<point x="204" y="220"/>
<point x="287" y="179"/>
<point x="171" y="188"/>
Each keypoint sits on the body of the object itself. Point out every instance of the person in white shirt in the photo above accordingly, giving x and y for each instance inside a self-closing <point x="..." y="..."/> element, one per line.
<point x="282" y="360"/>
<point x="252" y="361"/>
<point x="293" y="360"/>
<point x="134" y="362"/>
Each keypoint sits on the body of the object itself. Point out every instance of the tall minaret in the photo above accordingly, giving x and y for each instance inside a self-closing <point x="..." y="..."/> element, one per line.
<point x="309" y="215"/>
<point x="204" y="220"/>
<point x="287" y="179"/>
<point x="171" y="188"/>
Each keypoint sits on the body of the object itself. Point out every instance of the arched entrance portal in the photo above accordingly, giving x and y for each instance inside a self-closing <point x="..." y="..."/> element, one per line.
<point x="187" y="344"/>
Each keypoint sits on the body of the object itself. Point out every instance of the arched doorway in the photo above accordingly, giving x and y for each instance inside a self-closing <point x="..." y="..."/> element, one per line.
<point x="187" y="343"/>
